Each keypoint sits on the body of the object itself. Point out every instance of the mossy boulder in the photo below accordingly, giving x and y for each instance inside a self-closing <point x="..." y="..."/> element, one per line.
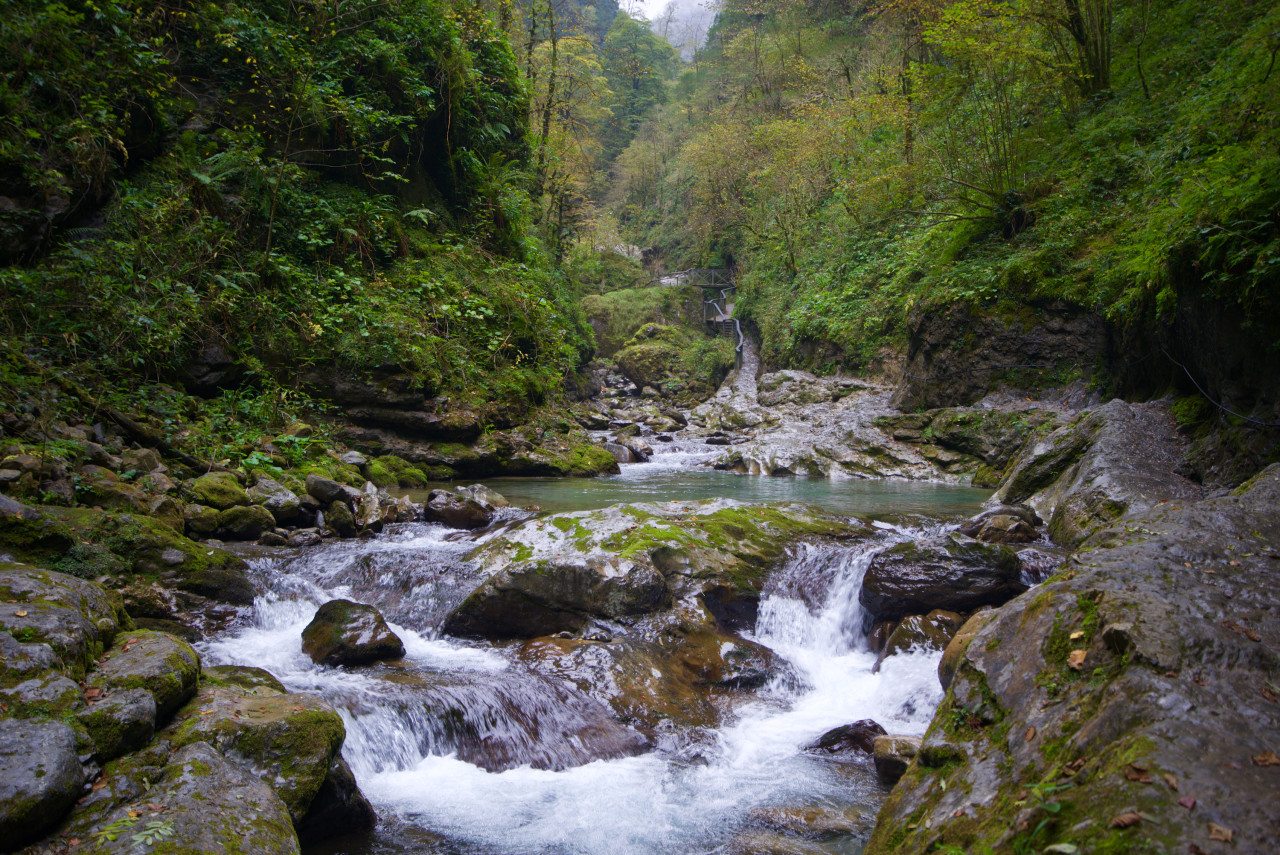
<point x="75" y="617"/>
<point x="338" y="517"/>
<point x="200" y="520"/>
<point x="948" y="572"/>
<point x="119" y="722"/>
<point x="959" y="643"/>
<point x="40" y="778"/>
<point x="218" y="490"/>
<point x="210" y="806"/>
<point x="30" y="534"/>
<point x="282" y="502"/>
<point x="347" y="633"/>
<point x="151" y="549"/>
<point x="288" y="740"/>
<point x="242" y="676"/>
<point x="552" y="574"/>
<point x="456" y="511"/>
<point x="392" y="471"/>
<point x="164" y="666"/>
<point x="245" y="522"/>
<point x="920" y="632"/>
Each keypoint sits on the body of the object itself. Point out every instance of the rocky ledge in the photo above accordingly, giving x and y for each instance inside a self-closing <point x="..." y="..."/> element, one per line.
<point x="1131" y="703"/>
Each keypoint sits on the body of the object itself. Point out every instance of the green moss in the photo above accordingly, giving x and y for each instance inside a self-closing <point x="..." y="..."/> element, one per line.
<point x="219" y="490"/>
<point x="392" y="471"/>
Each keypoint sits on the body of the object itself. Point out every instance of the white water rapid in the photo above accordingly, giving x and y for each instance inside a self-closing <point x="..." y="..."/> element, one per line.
<point x="408" y="726"/>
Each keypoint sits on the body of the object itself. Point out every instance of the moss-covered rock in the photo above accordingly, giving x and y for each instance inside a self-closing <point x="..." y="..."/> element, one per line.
<point x="27" y="533"/>
<point x="1103" y="692"/>
<point x="338" y="517"/>
<point x="119" y="722"/>
<point x="40" y="778"/>
<point x="200" y="520"/>
<point x="245" y="522"/>
<point x="282" y="502"/>
<point x="151" y="549"/>
<point x="76" y="618"/>
<point x="392" y="471"/>
<point x="208" y="806"/>
<point x="288" y="740"/>
<point x="218" y="490"/>
<point x="165" y="667"/>
<point x="347" y="633"/>
<point x="553" y="573"/>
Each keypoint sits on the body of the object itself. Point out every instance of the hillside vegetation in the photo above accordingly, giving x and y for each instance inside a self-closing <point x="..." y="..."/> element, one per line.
<point x="863" y="164"/>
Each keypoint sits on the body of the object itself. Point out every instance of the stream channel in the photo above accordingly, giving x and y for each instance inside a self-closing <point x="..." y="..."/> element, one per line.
<point x="413" y="725"/>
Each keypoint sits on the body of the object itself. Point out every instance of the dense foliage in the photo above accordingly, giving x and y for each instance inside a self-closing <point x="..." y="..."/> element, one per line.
<point x="292" y="182"/>
<point x="862" y="161"/>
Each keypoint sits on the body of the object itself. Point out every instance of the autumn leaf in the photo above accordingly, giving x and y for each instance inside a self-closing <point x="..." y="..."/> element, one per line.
<point x="1137" y="773"/>
<point x="21" y="612"/>
<point x="1031" y="733"/>
<point x="1222" y="833"/>
<point x="1266" y="758"/>
<point x="1171" y="781"/>
<point x="1188" y="802"/>
<point x="1126" y="820"/>
<point x="1241" y="630"/>
<point x="1076" y="659"/>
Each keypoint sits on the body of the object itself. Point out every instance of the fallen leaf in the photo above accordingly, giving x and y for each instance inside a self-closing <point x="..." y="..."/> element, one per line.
<point x="1074" y="766"/>
<point x="1266" y="758"/>
<point x="1031" y="734"/>
<point x="207" y="712"/>
<point x="958" y="813"/>
<point x="1234" y="563"/>
<point x="1078" y="634"/>
<point x="1188" y="802"/>
<point x="1171" y="781"/>
<point x="1241" y="630"/>
<point x="152" y="806"/>
<point x="74" y="841"/>
<point x="1186" y="563"/>
<point x="1270" y="695"/>
<point x="1200" y="681"/>
<point x="1076" y="660"/>
<point x="1126" y="820"/>
<point x="1137" y="773"/>
<point x="1221" y="832"/>
<point x="134" y="814"/>
<point x="21" y="612"/>
<point x="100" y="783"/>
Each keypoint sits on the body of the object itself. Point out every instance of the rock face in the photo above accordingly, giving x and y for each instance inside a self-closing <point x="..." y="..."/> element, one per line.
<point x="892" y="755"/>
<point x="1116" y="461"/>
<point x="40" y="778"/>
<point x="1123" y="705"/>
<point x="939" y="373"/>
<point x="347" y="633"/>
<point x="553" y="574"/>
<point x="948" y="572"/>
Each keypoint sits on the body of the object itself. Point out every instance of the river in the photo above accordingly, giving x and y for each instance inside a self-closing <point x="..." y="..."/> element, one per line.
<point x="413" y="726"/>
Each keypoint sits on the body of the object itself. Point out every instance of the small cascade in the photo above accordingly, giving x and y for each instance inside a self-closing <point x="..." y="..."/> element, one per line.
<point x="462" y="741"/>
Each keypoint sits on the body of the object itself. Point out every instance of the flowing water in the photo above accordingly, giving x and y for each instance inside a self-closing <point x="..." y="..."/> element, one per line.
<point x="464" y="750"/>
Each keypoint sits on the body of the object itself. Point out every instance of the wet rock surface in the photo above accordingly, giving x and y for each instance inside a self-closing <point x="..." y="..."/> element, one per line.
<point x="1137" y="683"/>
<point x="40" y="778"/>
<point x="347" y="633"/>
<point x="552" y="574"/>
<point x="848" y="740"/>
<point x="948" y="572"/>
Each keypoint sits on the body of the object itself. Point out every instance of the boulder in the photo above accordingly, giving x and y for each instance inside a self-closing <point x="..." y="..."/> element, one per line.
<point x="553" y="574"/>
<point x="347" y="633"/>
<point x="305" y="537"/>
<point x="165" y="667"/>
<point x="30" y="533"/>
<point x="218" y="490"/>
<point x="920" y="632"/>
<point x="40" y="778"/>
<point x="892" y="755"/>
<point x="119" y="722"/>
<point x="165" y="510"/>
<point x="1137" y="677"/>
<point x="620" y="452"/>
<point x="74" y="617"/>
<point x="288" y="740"/>
<point x="455" y="511"/>
<point x="338" y="808"/>
<point x="947" y="572"/>
<point x="484" y="495"/>
<point x="326" y="490"/>
<point x="847" y="741"/>
<point x="282" y="502"/>
<point x="338" y="517"/>
<point x="245" y="522"/>
<point x="208" y="806"/>
<point x="200" y="520"/>
<point x="959" y="643"/>
<point x="1003" y="524"/>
